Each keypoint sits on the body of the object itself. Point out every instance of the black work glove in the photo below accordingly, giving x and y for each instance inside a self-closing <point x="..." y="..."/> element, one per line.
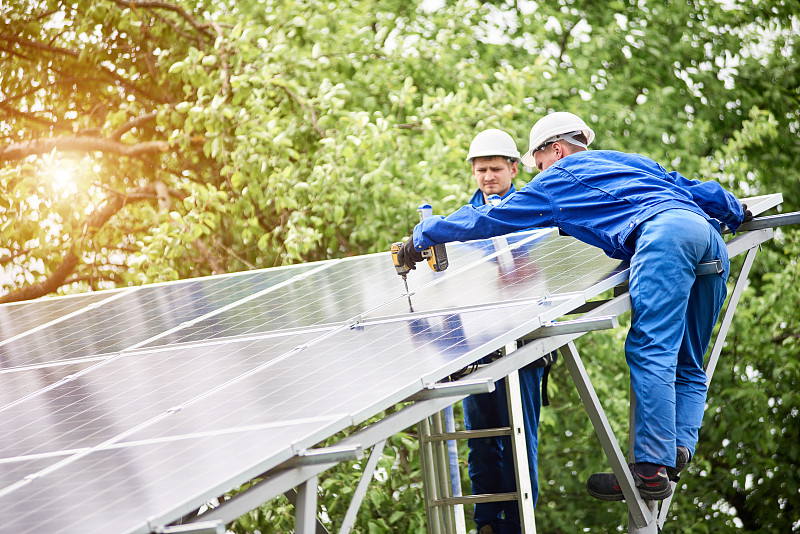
<point x="748" y="215"/>
<point x="408" y="255"/>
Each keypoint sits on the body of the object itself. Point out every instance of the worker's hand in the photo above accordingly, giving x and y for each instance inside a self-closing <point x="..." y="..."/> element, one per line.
<point x="408" y="255"/>
<point x="748" y="215"/>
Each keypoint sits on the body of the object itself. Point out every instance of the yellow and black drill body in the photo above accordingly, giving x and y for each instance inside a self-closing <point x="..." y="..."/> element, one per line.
<point x="435" y="255"/>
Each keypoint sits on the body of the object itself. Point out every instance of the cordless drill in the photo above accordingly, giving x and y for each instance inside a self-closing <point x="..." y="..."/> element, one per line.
<point x="436" y="256"/>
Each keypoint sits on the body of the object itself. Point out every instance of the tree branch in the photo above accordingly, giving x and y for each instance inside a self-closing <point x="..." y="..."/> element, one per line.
<point x="310" y="110"/>
<point x="5" y="260"/>
<point x="131" y="124"/>
<point x="155" y="4"/>
<point x="94" y="223"/>
<point x="27" y="116"/>
<point x="17" y="151"/>
<point x="39" y="46"/>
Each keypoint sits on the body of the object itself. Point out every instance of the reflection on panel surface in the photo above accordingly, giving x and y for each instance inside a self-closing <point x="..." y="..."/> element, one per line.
<point x="368" y="367"/>
<point x="530" y="265"/>
<point x="321" y="346"/>
<point x="18" y="383"/>
<point x="127" y="391"/>
<point x="334" y="295"/>
<point x="137" y="316"/>
<point x="119" y="490"/>
<point x="20" y="317"/>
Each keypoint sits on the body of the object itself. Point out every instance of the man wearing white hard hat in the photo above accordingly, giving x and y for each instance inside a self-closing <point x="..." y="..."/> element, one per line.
<point x="665" y="225"/>
<point x="493" y="156"/>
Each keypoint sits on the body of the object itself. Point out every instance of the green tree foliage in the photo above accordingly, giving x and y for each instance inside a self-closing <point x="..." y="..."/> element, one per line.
<point x="146" y="141"/>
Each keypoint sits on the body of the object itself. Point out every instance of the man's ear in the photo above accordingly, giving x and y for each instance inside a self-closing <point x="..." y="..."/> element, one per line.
<point x="514" y="168"/>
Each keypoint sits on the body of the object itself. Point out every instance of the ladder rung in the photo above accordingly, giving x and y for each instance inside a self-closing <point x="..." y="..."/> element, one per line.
<point x="469" y="434"/>
<point x="472" y="499"/>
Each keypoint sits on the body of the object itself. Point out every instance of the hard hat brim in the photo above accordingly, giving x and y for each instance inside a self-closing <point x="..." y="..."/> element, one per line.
<point x="527" y="159"/>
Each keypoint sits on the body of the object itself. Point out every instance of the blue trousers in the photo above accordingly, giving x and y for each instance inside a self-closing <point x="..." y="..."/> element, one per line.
<point x="491" y="460"/>
<point x="674" y="312"/>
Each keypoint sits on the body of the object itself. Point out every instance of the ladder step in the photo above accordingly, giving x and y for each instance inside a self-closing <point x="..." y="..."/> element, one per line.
<point x="468" y="434"/>
<point x="472" y="499"/>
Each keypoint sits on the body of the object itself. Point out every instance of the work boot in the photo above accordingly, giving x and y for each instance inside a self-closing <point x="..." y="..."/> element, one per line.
<point x="682" y="458"/>
<point x="604" y="486"/>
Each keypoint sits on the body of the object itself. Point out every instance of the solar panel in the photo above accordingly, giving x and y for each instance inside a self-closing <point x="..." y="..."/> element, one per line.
<point x="129" y="390"/>
<point x="138" y="315"/>
<point x="261" y="364"/>
<point x="16" y="384"/>
<point x="19" y="317"/>
<point x="335" y="380"/>
<point x="531" y="264"/>
<point x="120" y="489"/>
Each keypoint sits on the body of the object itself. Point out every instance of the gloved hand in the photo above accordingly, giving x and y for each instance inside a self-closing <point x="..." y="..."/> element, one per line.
<point x="408" y="255"/>
<point x="748" y="215"/>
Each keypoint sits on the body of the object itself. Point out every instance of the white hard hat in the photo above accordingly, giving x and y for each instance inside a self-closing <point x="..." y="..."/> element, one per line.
<point x="492" y="142"/>
<point x="554" y="127"/>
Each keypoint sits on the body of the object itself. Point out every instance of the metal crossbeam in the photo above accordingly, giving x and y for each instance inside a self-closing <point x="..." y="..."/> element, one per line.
<point x="459" y="388"/>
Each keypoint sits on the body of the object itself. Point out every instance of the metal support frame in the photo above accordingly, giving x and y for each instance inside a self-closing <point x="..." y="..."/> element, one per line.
<point x="306" y="507"/>
<point x="454" y="389"/>
<point x="303" y="473"/>
<point x="516" y="420"/>
<point x="290" y="475"/>
<point x="361" y="489"/>
<point x="206" y="527"/>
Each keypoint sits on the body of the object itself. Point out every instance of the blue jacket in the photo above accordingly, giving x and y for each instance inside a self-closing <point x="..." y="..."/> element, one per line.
<point x="597" y="196"/>
<point x="478" y="200"/>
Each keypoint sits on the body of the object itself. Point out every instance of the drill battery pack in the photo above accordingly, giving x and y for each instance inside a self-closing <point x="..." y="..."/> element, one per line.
<point x="437" y="257"/>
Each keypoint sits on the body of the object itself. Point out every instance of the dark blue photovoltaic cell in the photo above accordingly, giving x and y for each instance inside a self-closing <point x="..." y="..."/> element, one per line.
<point x="20" y="317"/>
<point x="127" y="391"/>
<point x="138" y="315"/>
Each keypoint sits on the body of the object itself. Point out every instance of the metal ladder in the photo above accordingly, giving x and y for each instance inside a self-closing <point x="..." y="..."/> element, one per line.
<point x="444" y="506"/>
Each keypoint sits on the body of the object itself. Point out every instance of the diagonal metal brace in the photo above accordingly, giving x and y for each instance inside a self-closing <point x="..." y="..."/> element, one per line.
<point x="638" y="509"/>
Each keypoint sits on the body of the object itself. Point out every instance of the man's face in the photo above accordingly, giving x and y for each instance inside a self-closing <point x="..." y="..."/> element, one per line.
<point x="493" y="174"/>
<point x="546" y="157"/>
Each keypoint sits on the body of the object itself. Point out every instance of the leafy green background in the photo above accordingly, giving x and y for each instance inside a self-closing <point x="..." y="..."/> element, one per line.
<point x="207" y="137"/>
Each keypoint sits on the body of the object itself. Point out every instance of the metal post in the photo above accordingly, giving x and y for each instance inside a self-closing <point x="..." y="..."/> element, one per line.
<point x="455" y="472"/>
<point x="442" y="474"/>
<point x="516" y="421"/>
<point x="429" y="485"/>
<point x="741" y="282"/>
<point x="306" y="507"/>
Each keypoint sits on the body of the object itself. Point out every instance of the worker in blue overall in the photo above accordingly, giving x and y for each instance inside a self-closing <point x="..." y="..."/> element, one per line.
<point x="494" y="158"/>
<point x="665" y="225"/>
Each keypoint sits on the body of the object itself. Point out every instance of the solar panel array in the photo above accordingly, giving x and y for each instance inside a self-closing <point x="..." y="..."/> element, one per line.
<point x="121" y="411"/>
